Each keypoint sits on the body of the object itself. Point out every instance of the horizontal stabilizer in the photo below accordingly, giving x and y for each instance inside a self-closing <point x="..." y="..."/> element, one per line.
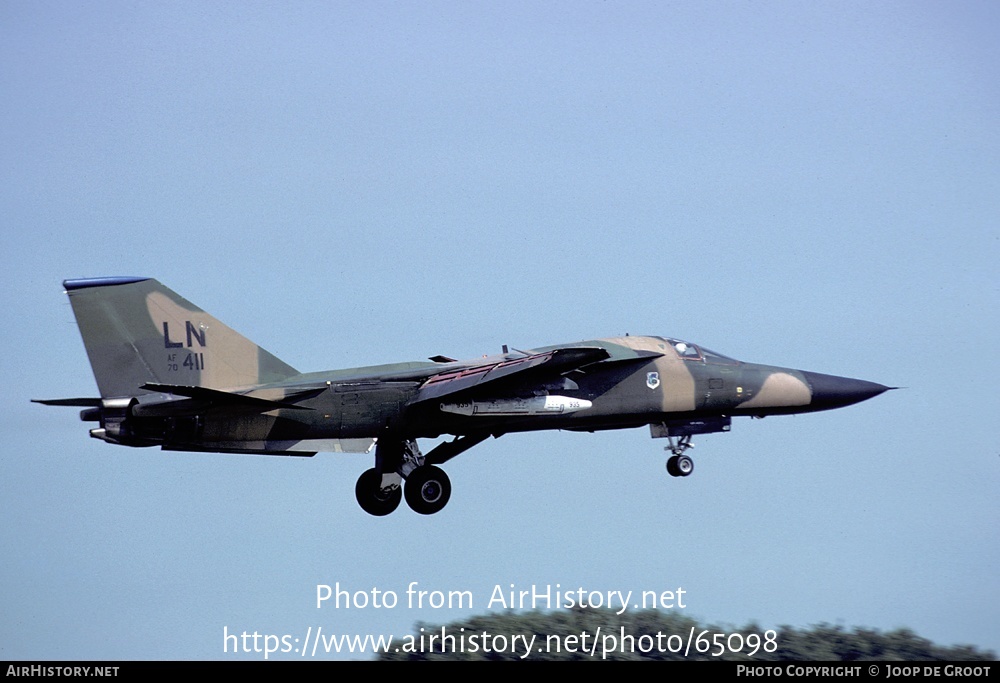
<point x="79" y="402"/>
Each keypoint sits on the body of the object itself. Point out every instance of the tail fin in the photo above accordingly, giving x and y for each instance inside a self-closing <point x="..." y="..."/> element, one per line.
<point x="137" y="331"/>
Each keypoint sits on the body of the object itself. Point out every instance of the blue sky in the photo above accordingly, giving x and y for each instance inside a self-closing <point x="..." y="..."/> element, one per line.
<point x="813" y="185"/>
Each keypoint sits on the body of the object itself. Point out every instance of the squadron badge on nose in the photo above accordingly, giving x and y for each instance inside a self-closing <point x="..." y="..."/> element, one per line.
<point x="652" y="379"/>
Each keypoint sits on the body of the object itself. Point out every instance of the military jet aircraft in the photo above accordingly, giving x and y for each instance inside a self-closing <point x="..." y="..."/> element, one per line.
<point x="171" y="375"/>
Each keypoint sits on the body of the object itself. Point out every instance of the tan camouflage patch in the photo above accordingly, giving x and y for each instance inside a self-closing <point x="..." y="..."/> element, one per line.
<point x="780" y="389"/>
<point x="198" y="350"/>
<point x="676" y="388"/>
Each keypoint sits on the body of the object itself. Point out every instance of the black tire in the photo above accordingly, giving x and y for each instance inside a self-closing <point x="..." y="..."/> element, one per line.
<point x="672" y="466"/>
<point x="427" y="489"/>
<point x="372" y="498"/>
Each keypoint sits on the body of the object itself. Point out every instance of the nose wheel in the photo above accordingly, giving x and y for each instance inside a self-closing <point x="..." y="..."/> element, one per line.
<point x="679" y="464"/>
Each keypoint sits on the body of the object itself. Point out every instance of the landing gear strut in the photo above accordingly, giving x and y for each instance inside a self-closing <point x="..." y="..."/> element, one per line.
<point x="679" y="464"/>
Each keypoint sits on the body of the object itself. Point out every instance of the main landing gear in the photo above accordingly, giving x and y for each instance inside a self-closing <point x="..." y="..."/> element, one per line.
<point x="427" y="488"/>
<point x="679" y="464"/>
<point x="427" y="491"/>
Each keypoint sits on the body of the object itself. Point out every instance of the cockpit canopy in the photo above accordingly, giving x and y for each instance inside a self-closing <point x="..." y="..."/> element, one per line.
<point x="693" y="352"/>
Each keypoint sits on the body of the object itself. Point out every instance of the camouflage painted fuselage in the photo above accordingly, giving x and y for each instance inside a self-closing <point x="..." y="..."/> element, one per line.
<point x="172" y="375"/>
<point x="644" y="381"/>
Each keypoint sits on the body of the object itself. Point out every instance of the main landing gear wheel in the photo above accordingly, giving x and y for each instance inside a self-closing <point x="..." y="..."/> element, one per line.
<point x="680" y="466"/>
<point x="427" y="489"/>
<point x="374" y="499"/>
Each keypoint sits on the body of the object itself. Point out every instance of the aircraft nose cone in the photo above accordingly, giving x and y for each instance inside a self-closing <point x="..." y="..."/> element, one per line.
<point x="830" y="391"/>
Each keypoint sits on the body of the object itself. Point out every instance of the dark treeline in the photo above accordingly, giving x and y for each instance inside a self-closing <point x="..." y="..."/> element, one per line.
<point x="655" y="635"/>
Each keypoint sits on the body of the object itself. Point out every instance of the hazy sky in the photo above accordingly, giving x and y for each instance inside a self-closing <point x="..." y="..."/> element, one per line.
<point x="813" y="185"/>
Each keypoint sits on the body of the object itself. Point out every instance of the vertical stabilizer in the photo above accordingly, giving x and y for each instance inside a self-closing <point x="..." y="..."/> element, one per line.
<point x="137" y="331"/>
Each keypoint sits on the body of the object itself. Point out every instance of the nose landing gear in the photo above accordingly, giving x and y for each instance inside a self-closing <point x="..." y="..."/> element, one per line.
<point x="679" y="464"/>
<point x="679" y="432"/>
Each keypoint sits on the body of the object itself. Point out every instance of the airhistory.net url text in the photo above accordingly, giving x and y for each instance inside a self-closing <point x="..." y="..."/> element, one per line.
<point x="443" y="640"/>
